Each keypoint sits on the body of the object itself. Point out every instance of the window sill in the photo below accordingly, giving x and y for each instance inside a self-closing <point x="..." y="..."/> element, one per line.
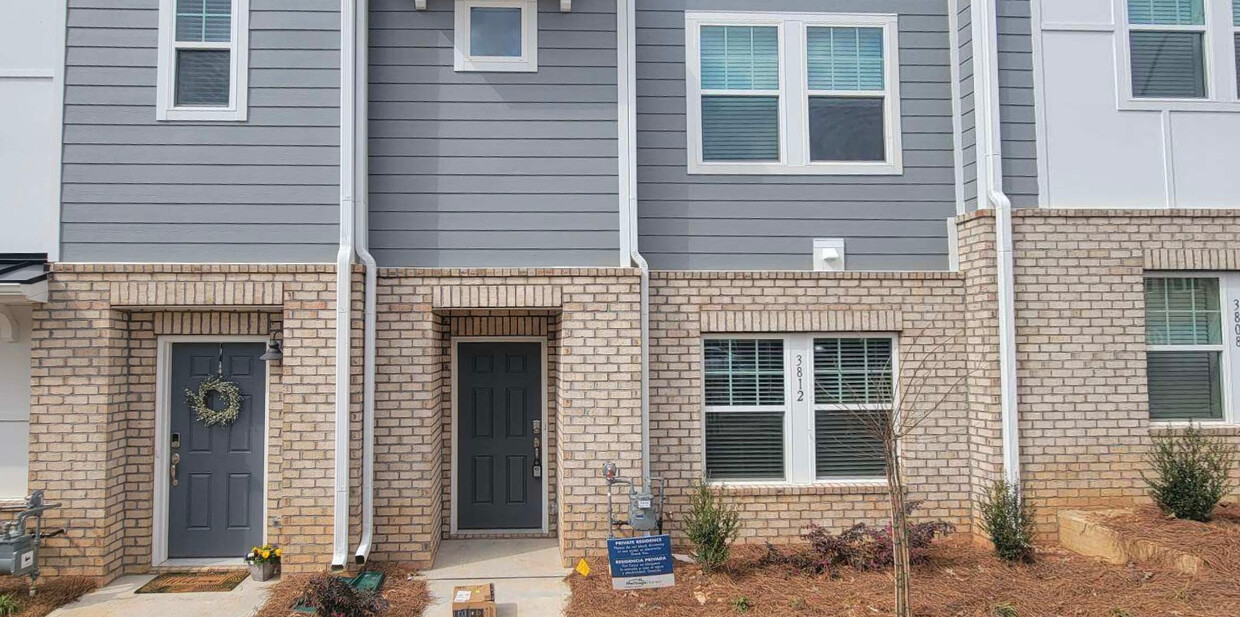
<point x="1200" y="105"/>
<point x="780" y="169"/>
<point x="773" y="489"/>
<point x="1216" y="428"/>
<point x="190" y="114"/>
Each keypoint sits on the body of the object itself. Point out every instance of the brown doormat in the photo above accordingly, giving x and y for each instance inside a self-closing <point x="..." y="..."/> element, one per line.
<point x="194" y="582"/>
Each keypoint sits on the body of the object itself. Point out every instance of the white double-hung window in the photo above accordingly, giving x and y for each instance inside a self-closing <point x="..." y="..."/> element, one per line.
<point x="1192" y="333"/>
<point x="203" y="60"/>
<point x="796" y="409"/>
<point x="1178" y="53"/>
<point x="792" y="93"/>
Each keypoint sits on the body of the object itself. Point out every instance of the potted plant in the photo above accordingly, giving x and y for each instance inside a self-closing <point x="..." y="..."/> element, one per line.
<point x="264" y="561"/>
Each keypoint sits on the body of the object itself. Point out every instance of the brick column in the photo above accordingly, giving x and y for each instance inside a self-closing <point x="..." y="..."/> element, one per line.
<point x="77" y="440"/>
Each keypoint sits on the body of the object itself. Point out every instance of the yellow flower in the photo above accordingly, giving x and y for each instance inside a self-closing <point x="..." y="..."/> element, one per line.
<point x="277" y="552"/>
<point x="266" y="554"/>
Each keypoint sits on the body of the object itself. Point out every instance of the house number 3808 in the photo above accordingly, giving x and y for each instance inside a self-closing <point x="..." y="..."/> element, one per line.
<point x="801" y="372"/>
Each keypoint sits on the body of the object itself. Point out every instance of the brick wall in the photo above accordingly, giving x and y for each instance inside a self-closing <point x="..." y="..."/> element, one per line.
<point x="925" y="309"/>
<point x="590" y="316"/>
<point x="93" y="401"/>
<point x="1080" y="317"/>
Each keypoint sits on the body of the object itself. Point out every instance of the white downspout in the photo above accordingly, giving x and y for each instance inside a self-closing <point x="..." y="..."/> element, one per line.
<point x="344" y="282"/>
<point x="990" y="177"/>
<point x="626" y="63"/>
<point x="362" y="154"/>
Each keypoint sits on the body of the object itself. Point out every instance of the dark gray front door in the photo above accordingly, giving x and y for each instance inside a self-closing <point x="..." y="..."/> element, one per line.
<point x="499" y="399"/>
<point x="215" y="509"/>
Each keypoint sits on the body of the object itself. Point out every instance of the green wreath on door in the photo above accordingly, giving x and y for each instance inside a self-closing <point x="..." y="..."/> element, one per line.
<point x="204" y="413"/>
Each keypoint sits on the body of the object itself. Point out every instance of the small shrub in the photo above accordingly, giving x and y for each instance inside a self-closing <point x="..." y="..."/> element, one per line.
<point x="712" y="527"/>
<point x="741" y="605"/>
<point x="1004" y="610"/>
<point x="9" y="605"/>
<point x="1008" y="519"/>
<point x="1191" y="473"/>
<point x="870" y="548"/>
<point x="333" y="596"/>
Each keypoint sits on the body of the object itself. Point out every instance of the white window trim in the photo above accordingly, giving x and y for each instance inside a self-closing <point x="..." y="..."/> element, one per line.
<point x="1220" y="73"/>
<point x="1229" y="372"/>
<point x="238" y="79"/>
<point x="794" y="93"/>
<point x="526" y="63"/>
<point x="800" y="462"/>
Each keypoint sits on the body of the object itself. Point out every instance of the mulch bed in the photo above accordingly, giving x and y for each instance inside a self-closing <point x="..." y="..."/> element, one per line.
<point x="1217" y="542"/>
<point x="407" y="594"/>
<point x="52" y="593"/>
<point x="960" y="580"/>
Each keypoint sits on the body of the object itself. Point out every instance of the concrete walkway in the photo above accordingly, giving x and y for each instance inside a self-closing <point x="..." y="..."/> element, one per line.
<point x="119" y="600"/>
<point x="529" y="581"/>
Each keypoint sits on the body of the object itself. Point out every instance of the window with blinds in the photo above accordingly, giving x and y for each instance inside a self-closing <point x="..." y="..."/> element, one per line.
<point x="847" y="85"/>
<point x="203" y="60"/>
<point x="853" y="394"/>
<point x="1167" y="53"/>
<point x="203" y="53"/>
<point x="1184" y="337"/>
<point x="740" y="93"/>
<point x="1235" y="38"/>
<point x="744" y="383"/>
<point x="792" y="93"/>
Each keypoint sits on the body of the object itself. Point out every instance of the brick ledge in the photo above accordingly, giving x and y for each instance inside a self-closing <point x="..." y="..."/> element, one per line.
<point x="792" y="490"/>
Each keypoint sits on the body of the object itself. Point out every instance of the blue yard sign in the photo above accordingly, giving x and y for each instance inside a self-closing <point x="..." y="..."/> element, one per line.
<point x="641" y="563"/>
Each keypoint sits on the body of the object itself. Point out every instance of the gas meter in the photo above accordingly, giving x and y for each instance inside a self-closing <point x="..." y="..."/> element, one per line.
<point x="19" y="549"/>
<point x="645" y="503"/>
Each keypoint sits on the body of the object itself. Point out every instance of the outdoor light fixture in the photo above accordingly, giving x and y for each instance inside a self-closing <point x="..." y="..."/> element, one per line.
<point x="274" y="352"/>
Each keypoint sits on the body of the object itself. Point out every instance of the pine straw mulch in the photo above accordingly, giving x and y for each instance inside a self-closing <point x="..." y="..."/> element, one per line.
<point x="1216" y="543"/>
<point x="52" y="593"/>
<point x="405" y="592"/>
<point x="961" y="580"/>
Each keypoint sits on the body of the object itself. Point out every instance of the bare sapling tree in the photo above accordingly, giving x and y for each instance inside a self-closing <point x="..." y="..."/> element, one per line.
<point x="892" y="409"/>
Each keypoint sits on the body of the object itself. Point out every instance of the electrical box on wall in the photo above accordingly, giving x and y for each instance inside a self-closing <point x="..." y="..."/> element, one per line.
<point x="829" y="254"/>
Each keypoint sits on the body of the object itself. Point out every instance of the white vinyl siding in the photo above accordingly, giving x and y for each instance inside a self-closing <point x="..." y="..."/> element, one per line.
<point x="796" y="409"/>
<point x="1192" y="332"/>
<point x="792" y="93"/>
<point x="203" y="60"/>
<point x="496" y="36"/>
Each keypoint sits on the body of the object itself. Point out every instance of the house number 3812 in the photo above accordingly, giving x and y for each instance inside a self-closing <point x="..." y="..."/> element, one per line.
<point x="1235" y="320"/>
<point x="801" y="372"/>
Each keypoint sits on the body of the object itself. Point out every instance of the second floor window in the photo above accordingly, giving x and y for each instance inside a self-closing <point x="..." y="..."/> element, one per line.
<point x="203" y="60"/>
<point x="496" y="36"/>
<point x="793" y="93"/>
<point x="1179" y="54"/>
<point x="1167" y="43"/>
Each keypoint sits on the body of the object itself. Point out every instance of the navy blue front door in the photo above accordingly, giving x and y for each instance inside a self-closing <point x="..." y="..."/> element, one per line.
<point x="499" y="401"/>
<point x="215" y="500"/>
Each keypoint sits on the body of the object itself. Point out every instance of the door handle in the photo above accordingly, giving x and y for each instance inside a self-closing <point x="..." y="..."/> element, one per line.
<point x="176" y="459"/>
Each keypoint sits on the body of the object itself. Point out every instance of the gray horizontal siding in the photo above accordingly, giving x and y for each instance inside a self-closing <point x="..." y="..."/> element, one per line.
<point x="769" y="222"/>
<point x="493" y="169"/>
<point x="1016" y="100"/>
<point x="968" y="117"/>
<point x="265" y="190"/>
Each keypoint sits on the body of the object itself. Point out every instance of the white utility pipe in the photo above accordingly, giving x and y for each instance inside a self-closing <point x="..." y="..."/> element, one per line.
<point x="344" y="282"/>
<point x="626" y="49"/>
<point x="362" y="154"/>
<point x="990" y="179"/>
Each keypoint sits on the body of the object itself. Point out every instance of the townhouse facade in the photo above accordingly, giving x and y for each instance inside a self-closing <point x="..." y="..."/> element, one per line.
<point x="456" y="255"/>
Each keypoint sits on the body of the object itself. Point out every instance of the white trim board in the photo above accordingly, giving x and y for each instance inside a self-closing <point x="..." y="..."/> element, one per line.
<point x="546" y="438"/>
<point x="163" y="406"/>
